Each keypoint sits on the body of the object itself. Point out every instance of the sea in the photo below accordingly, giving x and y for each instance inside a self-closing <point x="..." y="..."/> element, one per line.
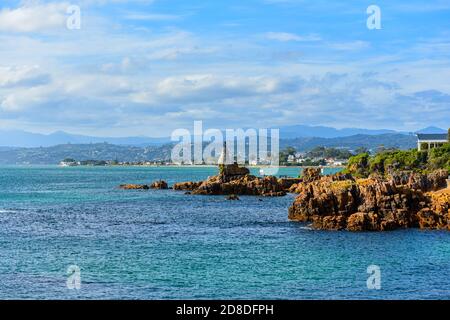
<point x="71" y="233"/>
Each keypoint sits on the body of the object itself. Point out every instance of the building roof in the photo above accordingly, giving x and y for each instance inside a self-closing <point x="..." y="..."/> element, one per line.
<point x="433" y="136"/>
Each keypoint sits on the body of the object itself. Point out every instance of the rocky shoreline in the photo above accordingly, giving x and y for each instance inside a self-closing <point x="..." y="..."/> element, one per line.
<point x="340" y="201"/>
<point x="404" y="200"/>
<point x="232" y="180"/>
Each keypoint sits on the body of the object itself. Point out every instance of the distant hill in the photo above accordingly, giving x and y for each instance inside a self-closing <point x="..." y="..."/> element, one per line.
<point x="80" y="152"/>
<point x="18" y="138"/>
<point x="106" y="151"/>
<point x="301" y="131"/>
<point x="432" y="130"/>
<point x="372" y="142"/>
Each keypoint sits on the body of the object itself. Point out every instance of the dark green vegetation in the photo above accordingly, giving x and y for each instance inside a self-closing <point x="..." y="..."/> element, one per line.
<point x="384" y="162"/>
<point x="285" y="153"/>
<point x="323" y="152"/>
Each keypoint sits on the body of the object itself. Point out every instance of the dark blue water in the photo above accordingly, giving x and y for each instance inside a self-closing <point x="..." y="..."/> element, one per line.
<point x="167" y="245"/>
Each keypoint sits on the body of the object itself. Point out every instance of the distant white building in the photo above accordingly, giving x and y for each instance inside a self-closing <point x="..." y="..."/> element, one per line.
<point x="426" y="141"/>
<point x="339" y="162"/>
<point x="68" y="163"/>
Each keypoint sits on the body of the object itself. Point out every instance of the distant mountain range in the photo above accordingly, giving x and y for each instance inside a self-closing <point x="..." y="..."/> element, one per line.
<point x="304" y="131"/>
<point x="18" y="138"/>
<point x="432" y="130"/>
<point x="20" y="147"/>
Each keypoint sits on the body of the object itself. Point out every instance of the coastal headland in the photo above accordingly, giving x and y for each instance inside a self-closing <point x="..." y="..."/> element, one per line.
<point x="386" y="198"/>
<point x="403" y="200"/>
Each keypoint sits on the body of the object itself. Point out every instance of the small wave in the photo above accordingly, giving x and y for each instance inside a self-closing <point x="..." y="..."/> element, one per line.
<point x="7" y="211"/>
<point x="309" y="227"/>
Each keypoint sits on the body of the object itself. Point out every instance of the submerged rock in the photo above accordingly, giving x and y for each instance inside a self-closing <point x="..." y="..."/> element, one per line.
<point x="134" y="187"/>
<point x="343" y="202"/>
<point x="233" y="197"/>
<point x="160" y="184"/>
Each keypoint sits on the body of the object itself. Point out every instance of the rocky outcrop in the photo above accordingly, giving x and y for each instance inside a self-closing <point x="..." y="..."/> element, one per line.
<point x="134" y="187"/>
<point x="343" y="202"/>
<point x="298" y="187"/>
<point x="233" y="170"/>
<point x="288" y="183"/>
<point x="434" y="181"/>
<point x="240" y="185"/>
<point x="437" y="215"/>
<point x="160" y="184"/>
<point x="186" y="186"/>
<point x="311" y="174"/>
<point x="235" y="180"/>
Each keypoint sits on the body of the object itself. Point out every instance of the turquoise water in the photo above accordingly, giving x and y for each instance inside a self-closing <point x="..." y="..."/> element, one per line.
<point x="167" y="245"/>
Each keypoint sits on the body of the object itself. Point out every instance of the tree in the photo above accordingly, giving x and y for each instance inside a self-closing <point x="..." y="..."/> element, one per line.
<point x="284" y="154"/>
<point x="360" y="150"/>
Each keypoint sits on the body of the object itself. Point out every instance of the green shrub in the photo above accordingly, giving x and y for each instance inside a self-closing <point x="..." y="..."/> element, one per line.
<point x="358" y="165"/>
<point x="440" y="158"/>
<point x="387" y="161"/>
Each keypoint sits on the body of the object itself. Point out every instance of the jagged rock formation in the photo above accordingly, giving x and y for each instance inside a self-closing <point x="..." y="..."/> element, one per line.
<point x="314" y="174"/>
<point x="403" y="201"/>
<point x="186" y="186"/>
<point x="241" y="185"/>
<point x="235" y="180"/>
<point x="311" y="174"/>
<point x="233" y="170"/>
<point x="160" y="184"/>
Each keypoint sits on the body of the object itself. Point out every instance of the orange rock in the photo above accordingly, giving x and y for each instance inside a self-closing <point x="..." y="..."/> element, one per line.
<point x="134" y="187"/>
<point x="376" y="204"/>
<point x="161" y="185"/>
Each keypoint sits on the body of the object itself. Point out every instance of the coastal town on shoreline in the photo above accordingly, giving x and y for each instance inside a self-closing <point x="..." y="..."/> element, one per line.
<point x="289" y="157"/>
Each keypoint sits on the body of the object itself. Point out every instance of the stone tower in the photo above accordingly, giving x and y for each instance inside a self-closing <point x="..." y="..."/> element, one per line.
<point x="228" y="169"/>
<point x="224" y="158"/>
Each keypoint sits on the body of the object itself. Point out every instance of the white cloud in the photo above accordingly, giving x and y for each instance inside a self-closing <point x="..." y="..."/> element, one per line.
<point x="22" y="100"/>
<point x="350" y="45"/>
<point x="108" y="75"/>
<point x="285" y="37"/>
<point x="151" y="17"/>
<point x="190" y="89"/>
<point x="26" y="76"/>
<point x="34" y="17"/>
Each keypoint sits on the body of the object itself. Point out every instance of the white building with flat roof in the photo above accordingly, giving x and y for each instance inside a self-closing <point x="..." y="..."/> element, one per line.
<point x="427" y="141"/>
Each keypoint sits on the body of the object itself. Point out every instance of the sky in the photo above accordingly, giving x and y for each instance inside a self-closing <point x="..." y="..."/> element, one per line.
<point x="148" y="67"/>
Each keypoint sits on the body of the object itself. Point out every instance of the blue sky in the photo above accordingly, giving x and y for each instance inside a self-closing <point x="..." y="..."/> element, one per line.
<point x="147" y="67"/>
